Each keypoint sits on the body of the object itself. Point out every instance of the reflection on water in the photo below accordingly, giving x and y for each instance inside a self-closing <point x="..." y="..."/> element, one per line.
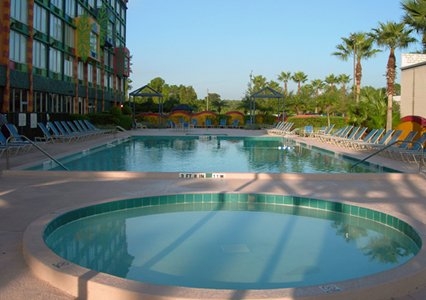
<point x="219" y="245"/>
<point x="210" y="154"/>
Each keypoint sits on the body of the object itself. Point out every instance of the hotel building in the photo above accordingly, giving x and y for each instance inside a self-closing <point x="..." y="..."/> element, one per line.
<point x="60" y="57"/>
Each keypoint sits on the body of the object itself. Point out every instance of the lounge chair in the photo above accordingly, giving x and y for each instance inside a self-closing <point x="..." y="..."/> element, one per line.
<point x="57" y="134"/>
<point x="222" y="123"/>
<point x="7" y="144"/>
<point x="235" y="123"/>
<point x="16" y="139"/>
<point x="355" y="136"/>
<point x="307" y="131"/>
<point x="416" y="152"/>
<point x="339" y="133"/>
<point x="371" y="138"/>
<point x="378" y="143"/>
<point x="401" y="145"/>
<point x="47" y="136"/>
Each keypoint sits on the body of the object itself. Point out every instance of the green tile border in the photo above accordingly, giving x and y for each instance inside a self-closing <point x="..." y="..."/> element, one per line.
<point x="240" y="201"/>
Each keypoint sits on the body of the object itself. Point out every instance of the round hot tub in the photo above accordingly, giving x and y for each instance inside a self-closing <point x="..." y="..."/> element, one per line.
<point x="251" y="245"/>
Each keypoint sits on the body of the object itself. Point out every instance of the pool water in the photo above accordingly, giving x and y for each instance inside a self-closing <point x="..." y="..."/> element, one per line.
<point x="240" y="242"/>
<point x="210" y="154"/>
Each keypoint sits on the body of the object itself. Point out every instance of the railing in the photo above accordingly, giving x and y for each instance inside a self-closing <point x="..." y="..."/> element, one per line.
<point x="421" y="150"/>
<point x="40" y="149"/>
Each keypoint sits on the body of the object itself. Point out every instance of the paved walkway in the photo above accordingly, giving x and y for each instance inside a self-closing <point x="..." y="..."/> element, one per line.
<point x="27" y="195"/>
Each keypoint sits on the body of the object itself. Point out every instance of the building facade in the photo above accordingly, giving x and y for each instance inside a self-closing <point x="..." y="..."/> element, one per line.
<point x="413" y="85"/>
<point x="61" y="57"/>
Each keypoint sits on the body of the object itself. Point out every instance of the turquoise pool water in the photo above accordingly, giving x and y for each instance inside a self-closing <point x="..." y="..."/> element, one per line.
<point x="232" y="241"/>
<point x="210" y="154"/>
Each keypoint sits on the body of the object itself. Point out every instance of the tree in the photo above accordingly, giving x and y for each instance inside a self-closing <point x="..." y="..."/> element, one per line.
<point x="217" y="102"/>
<point x="360" y="46"/>
<point x="284" y="77"/>
<point x="343" y="80"/>
<point x="299" y="77"/>
<point x="391" y="35"/>
<point x="415" y="16"/>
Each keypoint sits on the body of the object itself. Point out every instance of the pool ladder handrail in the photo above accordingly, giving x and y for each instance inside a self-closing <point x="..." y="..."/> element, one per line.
<point x="388" y="146"/>
<point x="40" y="149"/>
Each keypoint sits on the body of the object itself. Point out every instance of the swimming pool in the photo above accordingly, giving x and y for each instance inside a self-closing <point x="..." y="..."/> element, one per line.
<point x="232" y="241"/>
<point x="210" y="154"/>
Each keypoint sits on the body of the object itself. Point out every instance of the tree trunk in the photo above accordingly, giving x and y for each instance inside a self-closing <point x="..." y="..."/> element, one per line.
<point x="390" y="80"/>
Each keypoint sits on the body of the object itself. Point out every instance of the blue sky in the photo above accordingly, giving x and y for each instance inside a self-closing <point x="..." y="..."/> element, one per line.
<point x="214" y="45"/>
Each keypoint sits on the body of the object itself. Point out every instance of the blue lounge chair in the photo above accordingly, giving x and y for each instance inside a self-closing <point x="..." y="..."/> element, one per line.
<point x="16" y="139"/>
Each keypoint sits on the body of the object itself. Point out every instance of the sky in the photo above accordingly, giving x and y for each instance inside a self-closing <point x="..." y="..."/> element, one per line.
<point x="214" y="45"/>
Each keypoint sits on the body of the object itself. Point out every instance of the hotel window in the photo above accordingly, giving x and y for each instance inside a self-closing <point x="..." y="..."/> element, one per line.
<point x="69" y="36"/>
<point x="80" y="70"/>
<point x="17" y="44"/>
<point x="39" y="55"/>
<point x="92" y="3"/>
<point x="40" y="17"/>
<point x="55" y="28"/>
<point x="68" y="60"/>
<point x="70" y="8"/>
<point x="18" y="10"/>
<point x="55" y="61"/>
<point x="93" y="44"/>
<point x="80" y="10"/>
<point x="89" y="73"/>
<point x="57" y="3"/>
<point x="98" y="76"/>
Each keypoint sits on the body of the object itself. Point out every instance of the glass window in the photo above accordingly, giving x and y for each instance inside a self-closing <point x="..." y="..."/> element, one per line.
<point x="69" y="36"/>
<point x="17" y="44"/>
<point x="89" y="73"/>
<point x="39" y="55"/>
<point x="40" y="17"/>
<point x="80" y="70"/>
<point x="98" y="76"/>
<point x="57" y="3"/>
<point x="55" y="61"/>
<point x="18" y="10"/>
<point x="56" y="28"/>
<point x="70" y="8"/>
<point x="68" y="60"/>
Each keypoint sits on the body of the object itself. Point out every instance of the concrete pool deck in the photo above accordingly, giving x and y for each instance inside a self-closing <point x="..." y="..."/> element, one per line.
<point x="26" y="196"/>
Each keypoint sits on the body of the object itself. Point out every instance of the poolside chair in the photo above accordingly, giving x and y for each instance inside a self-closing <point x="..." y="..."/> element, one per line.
<point x="339" y="133"/>
<point x="65" y="132"/>
<point x="416" y="152"/>
<point x="355" y="136"/>
<point x="16" y="139"/>
<point x="277" y="127"/>
<point x="57" y="134"/>
<point x="208" y="123"/>
<point x="47" y="136"/>
<point x="401" y="145"/>
<point x="377" y="143"/>
<point x="235" y="123"/>
<point x="222" y="123"/>
<point x="11" y="146"/>
<point x="307" y="131"/>
<point x="370" y="138"/>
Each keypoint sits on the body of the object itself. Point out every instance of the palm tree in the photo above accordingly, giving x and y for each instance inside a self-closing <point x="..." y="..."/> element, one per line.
<point x="391" y="35"/>
<point x="360" y="46"/>
<point x="415" y="16"/>
<point x="318" y="86"/>
<point x="299" y="77"/>
<point x="284" y="77"/>
<point x="344" y="80"/>
<point x="331" y="80"/>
